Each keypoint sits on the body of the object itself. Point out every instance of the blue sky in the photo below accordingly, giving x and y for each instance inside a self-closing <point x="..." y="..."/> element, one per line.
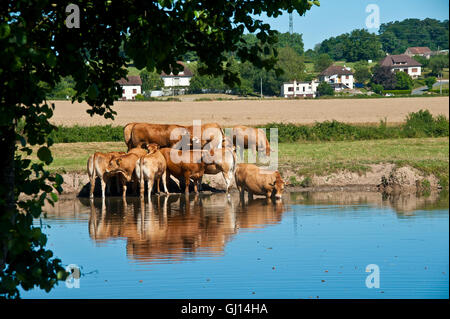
<point x="335" y="17"/>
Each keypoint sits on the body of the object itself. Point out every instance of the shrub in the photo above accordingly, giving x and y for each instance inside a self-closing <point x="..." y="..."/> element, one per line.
<point x="422" y="124"/>
<point x="430" y="81"/>
<point x="139" y="97"/>
<point x="377" y="88"/>
<point x="325" y="89"/>
<point x="404" y="81"/>
<point x="397" y="91"/>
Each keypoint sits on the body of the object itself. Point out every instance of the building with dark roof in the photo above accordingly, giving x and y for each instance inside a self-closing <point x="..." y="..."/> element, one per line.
<point x="339" y="77"/>
<point x="402" y="63"/>
<point x="180" y="81"/>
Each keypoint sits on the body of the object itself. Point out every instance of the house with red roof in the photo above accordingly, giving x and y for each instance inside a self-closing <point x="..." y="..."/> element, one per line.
<point x="131" y="86"/>
<point x="421" y="51"/>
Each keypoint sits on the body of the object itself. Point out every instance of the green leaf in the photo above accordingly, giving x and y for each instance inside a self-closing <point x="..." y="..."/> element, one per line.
<point x="45" y="155"/>
<point x="93" y="92"/>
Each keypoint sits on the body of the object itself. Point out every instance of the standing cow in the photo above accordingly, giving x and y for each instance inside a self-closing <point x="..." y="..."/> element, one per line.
<point x="142" y="134"/>
<point x="151" y="167"/>
<point x="250" y="138"/>
<point x="224" y="163"/>
<point x="124" y="167"/>
<point x="97" y="165"/>
<point x="184" y="165"/>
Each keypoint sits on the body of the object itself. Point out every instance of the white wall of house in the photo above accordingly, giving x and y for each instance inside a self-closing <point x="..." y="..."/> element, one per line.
<point x="130" y="91"/>
<point x="170" y="81"/>
<point x="348" y="80"/>
<point x="299" y="89"/>
<point x="413" y="71"/>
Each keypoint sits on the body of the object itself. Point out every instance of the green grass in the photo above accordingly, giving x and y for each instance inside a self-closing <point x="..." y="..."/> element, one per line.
<point x="429" y="155"/>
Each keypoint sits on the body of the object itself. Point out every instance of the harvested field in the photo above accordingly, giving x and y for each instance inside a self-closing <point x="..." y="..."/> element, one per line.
<point x="254" y="112"/>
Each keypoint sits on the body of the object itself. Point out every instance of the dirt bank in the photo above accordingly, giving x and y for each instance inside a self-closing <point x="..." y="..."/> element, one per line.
<point x="254" y="112"/>
<point x="386" y="178"/>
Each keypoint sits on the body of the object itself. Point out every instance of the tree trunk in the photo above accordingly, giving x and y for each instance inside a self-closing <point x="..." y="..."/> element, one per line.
<point x="7" y="177"/>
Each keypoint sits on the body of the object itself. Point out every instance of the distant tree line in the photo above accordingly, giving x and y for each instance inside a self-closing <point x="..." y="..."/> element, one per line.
<point x="393" y="38"/>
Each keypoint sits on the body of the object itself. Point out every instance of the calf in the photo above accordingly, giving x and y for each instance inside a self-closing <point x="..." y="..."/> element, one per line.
<point x="124" y="166"/>
<point x="184" y="167"/>
<point x="257" y="181"/>
<point x="151" y="167"/>
<point x="97" y="165"/>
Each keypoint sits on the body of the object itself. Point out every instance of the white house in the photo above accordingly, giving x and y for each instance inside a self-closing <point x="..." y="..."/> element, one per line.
<point x="130" y="87"/>
<point x="180" y="81"/>
<point x="299" y="89"/>
<point x="404" y="63"/>
<point x="338" y="77"/>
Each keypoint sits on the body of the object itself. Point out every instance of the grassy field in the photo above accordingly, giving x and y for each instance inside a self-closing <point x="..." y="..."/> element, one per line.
<point x="429" y="155"/>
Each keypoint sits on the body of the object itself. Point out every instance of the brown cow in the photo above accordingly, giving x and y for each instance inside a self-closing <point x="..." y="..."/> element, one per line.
<point x="151" y="167"/>
<point x="97" y="165"/>
<point x="142" y="134"/>
<point x="184" y="166"/>
<point x="124" y="166"/>
<point x="225" y="164"/>
<point x="210" y="133"/>
<point x="255" y="180"/>
<point x="250" y="138"/>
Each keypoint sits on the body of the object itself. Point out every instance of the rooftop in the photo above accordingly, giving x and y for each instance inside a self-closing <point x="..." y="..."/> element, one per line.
<point x="399" y="60"/>
<point x="185" y="72"/>
<point x="131" y="80"/>
<point x="335" y="69"/>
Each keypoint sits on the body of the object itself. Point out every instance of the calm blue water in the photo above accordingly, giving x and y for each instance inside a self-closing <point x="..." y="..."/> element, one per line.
<point x="308" y="246"/>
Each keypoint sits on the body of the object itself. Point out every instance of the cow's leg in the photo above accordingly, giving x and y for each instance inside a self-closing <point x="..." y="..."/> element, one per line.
<point x="157" y="185"/>
<point x="228" y="178"/>
<point x="150" y="187"/>
<point x="124" y="188"/>
<point x="103" y="184"/>
<point x="142" y="188"/>
<point x="165" y="182"/>
<point x="250" y="195"/>
<point x="186" y="181"/>
<point x="91" y="191"/>
<point x="199" y="182"/>
<point x="133" y="185"/>
<point x="241" y="192"/>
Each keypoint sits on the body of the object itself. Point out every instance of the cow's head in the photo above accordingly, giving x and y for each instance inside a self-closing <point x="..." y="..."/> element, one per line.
<point x="278" y="185"/>
<point x="114" y="164"/>
<point x="152" y="148"/>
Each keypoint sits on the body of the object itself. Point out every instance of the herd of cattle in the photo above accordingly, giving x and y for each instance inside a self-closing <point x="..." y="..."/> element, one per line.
<point x="158" y="151"/>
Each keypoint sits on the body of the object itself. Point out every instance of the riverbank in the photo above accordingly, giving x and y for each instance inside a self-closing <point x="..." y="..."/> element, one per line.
<point x="392" y="165"/>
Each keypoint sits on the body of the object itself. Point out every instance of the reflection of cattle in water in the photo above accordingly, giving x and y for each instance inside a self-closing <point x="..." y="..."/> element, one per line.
<point x="173" y="226"/>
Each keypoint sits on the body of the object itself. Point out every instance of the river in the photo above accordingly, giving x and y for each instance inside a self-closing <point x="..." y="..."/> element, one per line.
<point x="308" y="245"/>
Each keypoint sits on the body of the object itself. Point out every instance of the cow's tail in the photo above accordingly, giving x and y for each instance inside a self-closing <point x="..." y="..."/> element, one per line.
<point x="141" y="175"/>
<point x="128" y="134"/>
<point x="90" y="166"/>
